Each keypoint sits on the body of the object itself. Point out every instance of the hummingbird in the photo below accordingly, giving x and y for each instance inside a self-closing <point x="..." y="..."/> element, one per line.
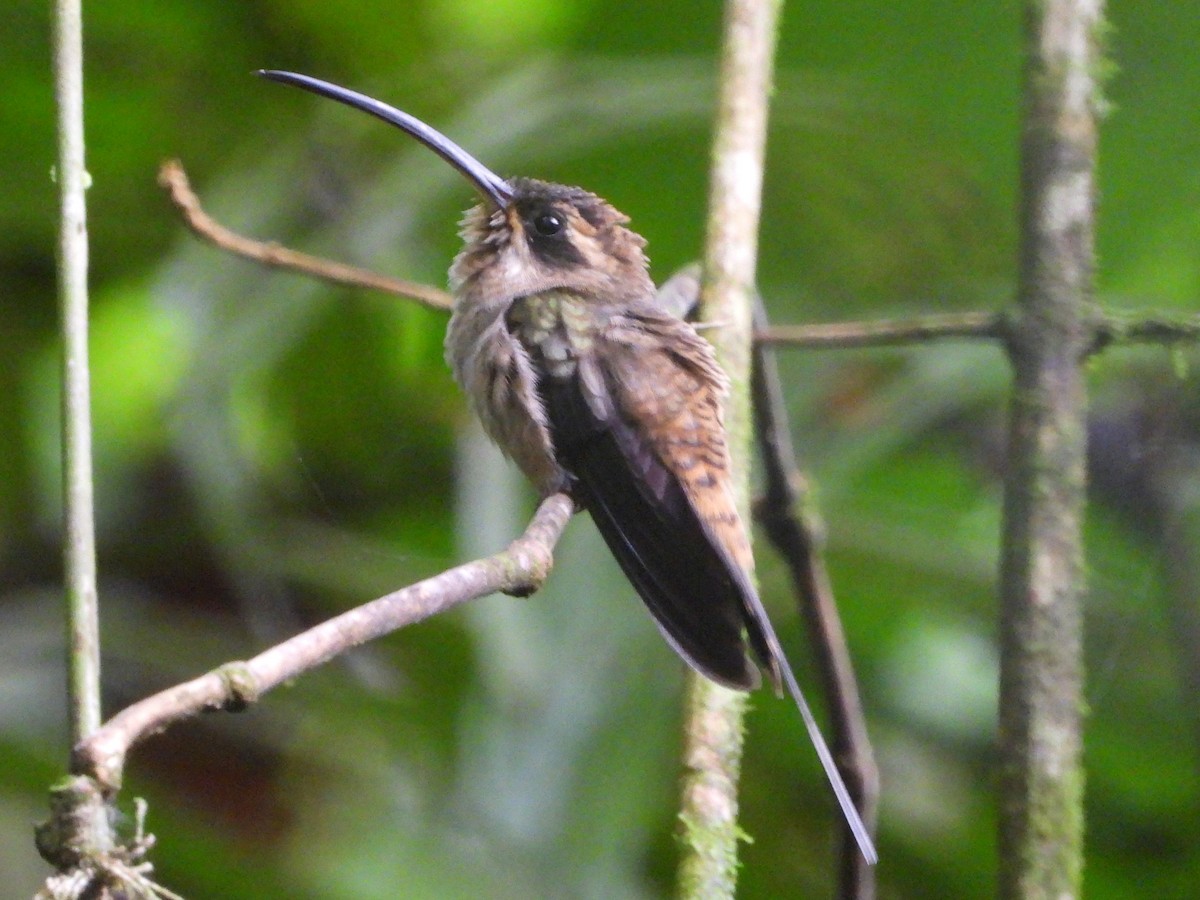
<point x="583" y="376"/>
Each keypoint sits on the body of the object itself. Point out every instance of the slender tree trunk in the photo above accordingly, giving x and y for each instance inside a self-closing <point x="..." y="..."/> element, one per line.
<point x="713" y="728"/>
<point x="79" y="545"/>
<point x="1041" y="670"/>
<point x="88" y="825"/>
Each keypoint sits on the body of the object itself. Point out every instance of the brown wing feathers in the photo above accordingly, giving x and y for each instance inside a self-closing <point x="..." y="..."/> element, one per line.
<point x="641" y="435"/>
<point x="652" y="533"/>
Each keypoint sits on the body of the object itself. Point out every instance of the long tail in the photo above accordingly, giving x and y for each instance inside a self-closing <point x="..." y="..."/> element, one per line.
<point x="699" y="596"/>
<point x="854" y="821"/>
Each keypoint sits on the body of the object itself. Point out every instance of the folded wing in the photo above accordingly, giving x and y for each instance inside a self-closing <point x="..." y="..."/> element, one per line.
<point x="639" y="427"/>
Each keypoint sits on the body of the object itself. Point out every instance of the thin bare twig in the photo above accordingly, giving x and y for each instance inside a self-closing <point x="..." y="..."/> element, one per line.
<point x="919" y="329"/>
<point x="520" y="570"/>
<point x="793" y="527"/>
<point x="172" y="177"/>
<point x="1109" y="329"/>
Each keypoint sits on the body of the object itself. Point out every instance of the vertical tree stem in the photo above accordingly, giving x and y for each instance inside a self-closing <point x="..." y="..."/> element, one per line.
<point x="713" y="727"/>
<point x="1041" y="670"/>
<point x="79" y="547"/>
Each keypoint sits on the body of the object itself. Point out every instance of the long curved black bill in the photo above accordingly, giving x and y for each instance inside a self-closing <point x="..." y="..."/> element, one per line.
<point x="491" y="185"/>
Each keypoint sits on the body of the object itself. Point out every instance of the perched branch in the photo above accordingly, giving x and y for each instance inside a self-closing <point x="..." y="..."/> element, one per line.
<point x="794" y="529"/>
<point x="172" y="177"/>
<point x="518" y="570"/>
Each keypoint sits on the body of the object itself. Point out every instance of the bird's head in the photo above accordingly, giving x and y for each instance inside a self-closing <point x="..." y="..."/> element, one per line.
<point x="526" y="236"/>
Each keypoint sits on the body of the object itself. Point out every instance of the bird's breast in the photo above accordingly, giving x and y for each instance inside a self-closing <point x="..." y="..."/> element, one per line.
<point x="556" y="328"/>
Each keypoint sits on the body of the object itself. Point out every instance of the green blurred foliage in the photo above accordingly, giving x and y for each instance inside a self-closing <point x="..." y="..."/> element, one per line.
<point x="270" y="451"/>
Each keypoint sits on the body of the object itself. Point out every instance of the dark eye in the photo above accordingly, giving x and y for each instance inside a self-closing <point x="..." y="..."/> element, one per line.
<point x="547" y="224"/>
